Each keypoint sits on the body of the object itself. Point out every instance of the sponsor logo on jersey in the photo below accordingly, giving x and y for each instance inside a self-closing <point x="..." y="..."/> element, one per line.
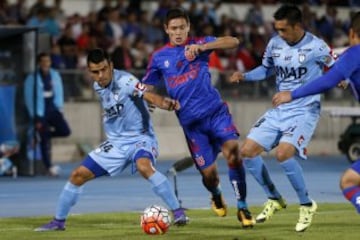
<point x="287" y="58"/>
<point x="167" y="63"/>
<point x="191" y="74"/>
<point x="285" y="72"/>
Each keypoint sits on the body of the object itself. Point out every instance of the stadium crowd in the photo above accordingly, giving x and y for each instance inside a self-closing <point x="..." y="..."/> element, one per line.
<point x="130" y="32"/>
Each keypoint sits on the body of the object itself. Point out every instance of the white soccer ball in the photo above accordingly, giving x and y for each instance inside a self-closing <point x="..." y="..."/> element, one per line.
<point x="155" y="220"/>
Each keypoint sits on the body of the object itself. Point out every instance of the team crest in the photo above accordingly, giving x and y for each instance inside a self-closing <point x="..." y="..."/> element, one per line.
<point x="116" y="95"/>
<point x="166" y="64"/>
<point x="300" y="140"/>
<point x="302" y="58"/>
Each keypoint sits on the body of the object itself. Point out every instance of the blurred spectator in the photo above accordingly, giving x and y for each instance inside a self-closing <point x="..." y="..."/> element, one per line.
<point x="99" y="37"/>
<point x="57" y="61"/>
<point x="139" y="53"/>
<point x="3" y="12"/>
<point x="151" y="30"/>
<point x="38" y="19"/>
<point x="76" y="25"/>
<point x="47" y="112"/>
<point x="52" y="26"/>
<point x="102" y="14"/>
<point x="38" y="5"/>
<point x="132" y="27"/>
<point x="17" y="12"/>
<point x="113" y="28"/>
<point x="68" y="48"/>
<point x="121" y="56"/>
<point x="326" y="24"/>
<point x="59" y="14"/>
<point x="254" y="15"/>
<point x="83" y="42"/>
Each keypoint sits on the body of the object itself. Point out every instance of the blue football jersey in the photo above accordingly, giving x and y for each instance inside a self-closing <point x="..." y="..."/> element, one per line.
<point x="189" y="82"/>
<point x="298" y="64"/>
<point x="125" y="117"/>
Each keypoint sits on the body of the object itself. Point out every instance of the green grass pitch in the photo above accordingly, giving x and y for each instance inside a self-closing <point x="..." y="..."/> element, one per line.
<point x="332" y="222"/>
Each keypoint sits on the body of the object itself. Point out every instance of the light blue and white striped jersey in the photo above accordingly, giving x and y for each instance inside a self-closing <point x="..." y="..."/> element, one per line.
<point x="296" y="65"/>
<point x="126" y="117"/>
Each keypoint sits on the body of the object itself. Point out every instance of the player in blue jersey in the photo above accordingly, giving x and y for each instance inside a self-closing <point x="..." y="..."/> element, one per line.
<point x="346" y="67"/>
<point x="130" y="140"/>
<point x="295" y="57"/>
<point x="182" y="65"/>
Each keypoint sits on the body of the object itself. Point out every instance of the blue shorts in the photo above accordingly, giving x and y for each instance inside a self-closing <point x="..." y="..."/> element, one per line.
<point x="206" y="136"/>
<point x="294" y="126"/>
<point x="114" y="159"/>
<point x="356" y="166"/>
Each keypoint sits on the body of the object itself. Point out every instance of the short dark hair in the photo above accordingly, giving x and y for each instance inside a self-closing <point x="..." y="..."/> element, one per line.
<point x="41" y="55"/>
<point x="97" y="55"/>
<point x="291" y="13"/>
<point x="176" y="13"/>
<point x="355" y="23"/>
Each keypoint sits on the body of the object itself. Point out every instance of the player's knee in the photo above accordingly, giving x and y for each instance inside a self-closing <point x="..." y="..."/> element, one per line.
<point x="247" y="152"/>
<point x="144" y="167"/>
<point x="79" y="177"/>
<point x="283" y="154"/>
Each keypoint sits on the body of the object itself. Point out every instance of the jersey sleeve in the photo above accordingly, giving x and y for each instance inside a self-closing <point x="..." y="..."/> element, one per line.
<point x="203" y="40"/>
<point x="323" y="54"/>
<point x="267" y="60"/>
<point x="153" y="74"/>
<point x="134" y="86"/>
<point x="265" y="70"/>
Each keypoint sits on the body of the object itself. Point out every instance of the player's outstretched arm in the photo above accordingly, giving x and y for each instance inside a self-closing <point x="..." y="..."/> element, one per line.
<point x="236" y="77"/>
<point x="227" y="42"/>
<point x="162" y="102"/>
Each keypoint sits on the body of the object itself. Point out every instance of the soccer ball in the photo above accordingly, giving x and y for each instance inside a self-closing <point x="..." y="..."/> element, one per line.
<point x="155" y="220"/>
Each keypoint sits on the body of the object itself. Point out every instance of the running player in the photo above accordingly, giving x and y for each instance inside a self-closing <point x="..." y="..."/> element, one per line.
<point x="295" y="57"/>
<point x="208" y="126"/>
<point x="130" y="140"/>
<point x="346" y="67"/>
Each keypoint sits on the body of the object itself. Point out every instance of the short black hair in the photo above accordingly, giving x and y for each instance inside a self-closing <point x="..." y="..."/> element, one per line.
<point x="41" y="55"/>
<point x="355" y="23"/>
<point x="176" y="13"/>
<point x="288" y="12"/>
<point x="97" y="55"/>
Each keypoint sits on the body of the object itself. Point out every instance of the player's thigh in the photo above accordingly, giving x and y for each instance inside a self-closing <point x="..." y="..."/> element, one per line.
<point x="111" y="158"/>
<point x="297" y="130"/>
<point x="223" y="132"/>
<point x="202" y="150"/>
<point x="264" y="135"/>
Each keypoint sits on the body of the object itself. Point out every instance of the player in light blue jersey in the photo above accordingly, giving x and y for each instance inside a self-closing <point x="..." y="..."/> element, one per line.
<point x="130" y="140"/>
<point x="182" y="65"/>
<point x="295" y="57"/>
<point x="346" y="67"/>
